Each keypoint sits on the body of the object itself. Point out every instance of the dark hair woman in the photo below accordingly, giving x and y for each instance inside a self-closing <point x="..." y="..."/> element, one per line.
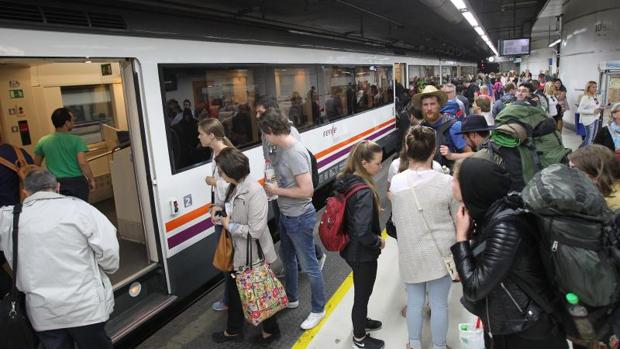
<point x="501" y="272"/>
<point x="246" y="218"/>
<point x="365" y="244"/>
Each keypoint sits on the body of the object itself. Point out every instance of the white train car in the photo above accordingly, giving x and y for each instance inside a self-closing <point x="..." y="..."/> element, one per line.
<point x="150" y="172"/>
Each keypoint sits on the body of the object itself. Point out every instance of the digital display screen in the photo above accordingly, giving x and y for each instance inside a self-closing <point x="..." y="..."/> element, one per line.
<point x="514" y="47"/>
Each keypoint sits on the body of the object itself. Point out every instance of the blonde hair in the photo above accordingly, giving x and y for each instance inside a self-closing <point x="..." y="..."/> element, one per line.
<point x="549" y="89"/>
<point x="484" y="88"/>
<point x="364" y="150"/>
<point x="586" y="91"/>
<point x="215" y="127"/>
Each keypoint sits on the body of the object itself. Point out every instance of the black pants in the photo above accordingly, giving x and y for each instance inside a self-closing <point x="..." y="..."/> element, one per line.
<point x="234" y="324"/>
<point x="364" y="276"/>
<point x="5" y="279"/>
<point x="86" y="337"/>
<point x="74" y="186"/>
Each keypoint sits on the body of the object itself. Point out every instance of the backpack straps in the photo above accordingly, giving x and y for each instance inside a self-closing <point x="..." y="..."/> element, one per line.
<point x="21" y="160"/>
<point x="8" y="164"/>
<point x="354" y="189"/>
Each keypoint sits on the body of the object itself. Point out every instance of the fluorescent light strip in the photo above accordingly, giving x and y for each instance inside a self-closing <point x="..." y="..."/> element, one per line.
<point x="459" y="4"/>
<point x="479" y="30"/>
<point x="555" y="42"/>
<point x="470" y="18"/>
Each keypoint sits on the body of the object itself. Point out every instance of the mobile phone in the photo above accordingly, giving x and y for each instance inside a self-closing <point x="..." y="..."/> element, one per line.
<point x="221" y="213"/>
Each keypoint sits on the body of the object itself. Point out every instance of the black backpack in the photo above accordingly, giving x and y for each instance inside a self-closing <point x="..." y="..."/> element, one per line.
<point x="579" y="243"/>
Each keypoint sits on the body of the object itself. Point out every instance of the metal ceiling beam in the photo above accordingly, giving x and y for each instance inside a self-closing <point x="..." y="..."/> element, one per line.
<point x="372" y="13"/>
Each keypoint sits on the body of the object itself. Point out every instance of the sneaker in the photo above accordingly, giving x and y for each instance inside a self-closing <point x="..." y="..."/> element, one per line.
<point x="221" y="337"/>
<point x="219" y="306"/>
<point x="293" y="305"/>
<point x="373" y="325"/>
<point x="322" y="261"/>
<point x="312" y="320"/>
<point x="368" y="343"/>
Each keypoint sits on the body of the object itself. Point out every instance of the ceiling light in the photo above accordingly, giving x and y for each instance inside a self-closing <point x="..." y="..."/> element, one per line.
<point x="555" y="42"/>
<point x="470" y="18"/>
<point x="479" y="30"/>
<point x="484" y="37"/>
<point x="459" y="4"/>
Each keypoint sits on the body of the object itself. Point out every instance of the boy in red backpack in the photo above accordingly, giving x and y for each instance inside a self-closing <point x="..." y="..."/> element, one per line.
<point x="361" y="223"/>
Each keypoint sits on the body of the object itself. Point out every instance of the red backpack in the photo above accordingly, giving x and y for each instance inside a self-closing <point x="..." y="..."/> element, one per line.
<point x="331" y="231"/>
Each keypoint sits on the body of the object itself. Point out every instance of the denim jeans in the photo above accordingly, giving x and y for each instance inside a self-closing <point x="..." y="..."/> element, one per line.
<point x="438" y="291"/>
<point x="90" y="336"/>
<point x="590" y="133"/>
<point x="297" y="244"/>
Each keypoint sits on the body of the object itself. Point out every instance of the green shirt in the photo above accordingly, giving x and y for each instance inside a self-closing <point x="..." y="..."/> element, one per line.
<point x="60" y="150"/>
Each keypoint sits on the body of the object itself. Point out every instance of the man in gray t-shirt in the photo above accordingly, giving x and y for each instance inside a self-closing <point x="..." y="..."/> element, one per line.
<point x="297" y="214"/>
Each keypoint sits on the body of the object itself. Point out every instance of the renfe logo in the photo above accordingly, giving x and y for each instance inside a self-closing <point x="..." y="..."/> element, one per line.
<point x="331" y="131"/>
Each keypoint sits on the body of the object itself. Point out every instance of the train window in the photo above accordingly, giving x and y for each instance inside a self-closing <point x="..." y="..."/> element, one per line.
<point x="91" y="106"/>
<point x="309" y="95"/>
<point x="295" y="91"/>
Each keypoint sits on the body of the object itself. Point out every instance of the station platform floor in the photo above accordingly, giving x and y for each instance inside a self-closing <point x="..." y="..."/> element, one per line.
<point x="193" y="328"/>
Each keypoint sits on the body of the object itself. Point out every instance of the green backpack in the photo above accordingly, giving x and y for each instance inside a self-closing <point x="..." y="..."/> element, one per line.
<point x="527" y="141"/>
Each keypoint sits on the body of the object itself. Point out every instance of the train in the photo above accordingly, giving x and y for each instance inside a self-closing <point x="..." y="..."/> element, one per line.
<point x="136" y="99"/>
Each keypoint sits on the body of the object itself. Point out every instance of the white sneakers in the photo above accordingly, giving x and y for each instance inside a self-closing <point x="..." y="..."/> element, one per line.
<point x="312" y="320"/>
<point x="293" y="305"/>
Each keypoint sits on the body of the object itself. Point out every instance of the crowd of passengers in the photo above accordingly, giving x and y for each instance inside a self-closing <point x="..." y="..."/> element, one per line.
<point x="446" y="194"/>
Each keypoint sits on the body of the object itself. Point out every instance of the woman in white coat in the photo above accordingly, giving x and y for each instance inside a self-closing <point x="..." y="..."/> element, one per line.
<point x="589" y="110"/>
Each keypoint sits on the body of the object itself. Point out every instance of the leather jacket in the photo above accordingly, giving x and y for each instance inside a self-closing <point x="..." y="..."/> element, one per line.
<point x="361" y="222"/>
<point x="503" y="276"/>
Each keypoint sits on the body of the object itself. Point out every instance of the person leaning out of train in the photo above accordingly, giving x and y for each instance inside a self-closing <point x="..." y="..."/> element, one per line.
<point x="501" y="273"/>
<point x="361" y="221"/>
<point x="246" y="217"/>
<point x="212" y="135"/>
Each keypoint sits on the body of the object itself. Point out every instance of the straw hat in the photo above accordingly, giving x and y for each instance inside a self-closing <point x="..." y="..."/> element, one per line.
<point x="429" y="90"/>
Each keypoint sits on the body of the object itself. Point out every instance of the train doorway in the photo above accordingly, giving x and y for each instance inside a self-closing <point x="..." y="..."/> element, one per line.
<point x="103" y="100"/>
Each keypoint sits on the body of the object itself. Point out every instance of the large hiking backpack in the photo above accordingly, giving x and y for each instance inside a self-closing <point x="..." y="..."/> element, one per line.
<point x="527" y="141"/>
<point x="331" y="229"/>
<point x="21" y="167"/>
<point x="579" y="242"/>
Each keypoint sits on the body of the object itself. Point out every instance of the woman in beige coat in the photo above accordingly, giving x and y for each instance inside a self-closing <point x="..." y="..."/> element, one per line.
<point x="246" y="217"/>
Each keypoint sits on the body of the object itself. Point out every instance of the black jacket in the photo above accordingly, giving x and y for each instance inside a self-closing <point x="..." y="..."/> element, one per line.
<point x="502" y="267"/>
<point x="361" y="222"/>
<point x="603" y="137"/>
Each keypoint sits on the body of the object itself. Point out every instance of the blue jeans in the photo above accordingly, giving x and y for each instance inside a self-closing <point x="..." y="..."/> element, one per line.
<point x="438" y="291"/>
<point x="89" y="336"/>
<point x="297" y="244"/>
<point x="590" y="133"/>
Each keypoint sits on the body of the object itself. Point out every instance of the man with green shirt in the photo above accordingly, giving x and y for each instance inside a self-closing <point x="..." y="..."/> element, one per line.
<point x="65" y="157"/>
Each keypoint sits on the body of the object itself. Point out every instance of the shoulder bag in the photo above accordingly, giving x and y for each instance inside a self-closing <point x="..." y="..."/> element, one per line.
<point x="17" y="333"/>
<point x="448" y="260"/>
<point x="261" y="293"/>
<point x="223" y="257"/>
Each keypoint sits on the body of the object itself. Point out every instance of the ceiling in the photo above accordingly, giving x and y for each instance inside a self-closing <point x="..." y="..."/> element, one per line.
<point x="429" y="27"/>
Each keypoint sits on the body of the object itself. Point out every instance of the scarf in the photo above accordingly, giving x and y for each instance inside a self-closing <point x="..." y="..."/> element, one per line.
<point x="614" y="130"/>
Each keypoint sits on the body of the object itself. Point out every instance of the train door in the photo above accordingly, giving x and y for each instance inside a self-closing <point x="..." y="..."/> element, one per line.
<point x="102" y="97"/>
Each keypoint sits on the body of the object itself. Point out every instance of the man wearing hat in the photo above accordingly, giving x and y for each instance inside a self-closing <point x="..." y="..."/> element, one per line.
<point x="447" y="127"/>
<point x="475" y="131"/>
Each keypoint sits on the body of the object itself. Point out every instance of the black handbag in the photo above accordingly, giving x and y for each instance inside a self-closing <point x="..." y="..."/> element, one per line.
<point x="17" y="333"/>
<point x="390" y="228"/>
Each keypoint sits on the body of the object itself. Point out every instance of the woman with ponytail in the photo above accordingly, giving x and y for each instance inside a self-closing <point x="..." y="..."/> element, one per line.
<point x="361" y="222"/>
<point x="212" y="135"/>
<point x="423" y="211"/>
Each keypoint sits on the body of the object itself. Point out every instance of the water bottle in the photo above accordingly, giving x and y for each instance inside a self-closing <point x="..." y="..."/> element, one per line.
<point x="270" y="177"/>
<point x="580" y="316"/>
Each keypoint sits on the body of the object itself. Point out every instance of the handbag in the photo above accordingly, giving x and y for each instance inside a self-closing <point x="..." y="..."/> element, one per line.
<point x="390" y="228"/>
<point x="262" y="295"/>
<point x="223" y="257"/>
<point x="448" y="260"/>
<point x="17" y="333"/>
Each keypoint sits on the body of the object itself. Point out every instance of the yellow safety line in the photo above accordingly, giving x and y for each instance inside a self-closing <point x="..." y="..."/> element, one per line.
<point x="304" y="340"/>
